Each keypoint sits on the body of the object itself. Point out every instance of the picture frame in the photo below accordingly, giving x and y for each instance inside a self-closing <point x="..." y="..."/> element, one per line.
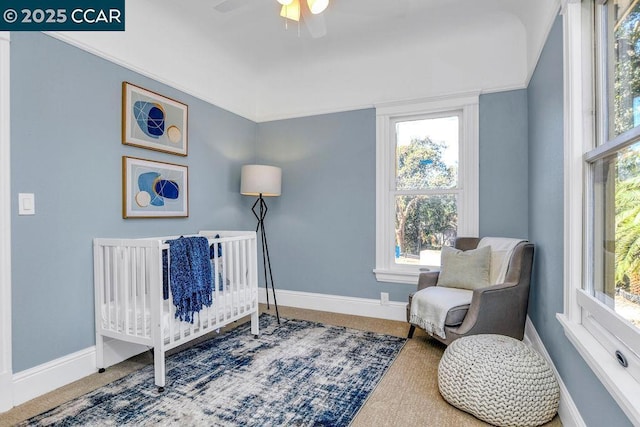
<point x="152" y="189"/>
<point x="154" y="121"/>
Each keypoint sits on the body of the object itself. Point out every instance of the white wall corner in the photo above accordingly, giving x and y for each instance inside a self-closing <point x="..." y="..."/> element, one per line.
<point x="6" y="389"/>
<point x="568" y="411"/>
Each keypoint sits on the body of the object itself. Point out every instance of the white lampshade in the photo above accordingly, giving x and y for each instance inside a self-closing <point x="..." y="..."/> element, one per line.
<point x="261" y="179"/>
<point x="285" y="2"/>
<point x="317" y="6"/>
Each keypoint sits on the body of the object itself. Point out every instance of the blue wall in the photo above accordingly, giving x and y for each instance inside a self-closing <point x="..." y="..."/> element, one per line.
<point x="504" y="203"/>
<point x="322" y="229"/>
<point x="545" y="108"/>
<point x="66" y="148"/>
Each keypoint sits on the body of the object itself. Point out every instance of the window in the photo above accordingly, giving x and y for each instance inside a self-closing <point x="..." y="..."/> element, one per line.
<point x="427" y="183"/>
<point x="602" y="161"/>
<point x="613" y="176"/>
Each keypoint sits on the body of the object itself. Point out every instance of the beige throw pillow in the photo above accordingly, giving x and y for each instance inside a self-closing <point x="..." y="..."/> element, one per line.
<point x="465" y="269"/>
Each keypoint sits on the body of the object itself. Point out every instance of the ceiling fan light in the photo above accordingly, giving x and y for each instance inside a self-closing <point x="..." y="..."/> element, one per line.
<point x="285" y="2"/>
<point x="291" y="11"/>
<point x="317" y="6"/>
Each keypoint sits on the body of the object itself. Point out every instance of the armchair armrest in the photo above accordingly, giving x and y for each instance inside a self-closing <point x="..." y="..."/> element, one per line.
<point x="497" y="309"/>
<point x="429" y="278"/>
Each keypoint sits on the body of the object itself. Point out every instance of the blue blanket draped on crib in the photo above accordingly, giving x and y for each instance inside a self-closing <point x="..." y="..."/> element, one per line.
<point x="190" y="276"/>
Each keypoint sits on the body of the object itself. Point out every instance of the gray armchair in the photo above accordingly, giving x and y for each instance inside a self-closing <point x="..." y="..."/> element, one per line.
<point x="497" y="309"/>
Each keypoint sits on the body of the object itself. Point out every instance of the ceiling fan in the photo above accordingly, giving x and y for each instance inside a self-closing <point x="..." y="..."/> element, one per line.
<point x="307" y="11"/>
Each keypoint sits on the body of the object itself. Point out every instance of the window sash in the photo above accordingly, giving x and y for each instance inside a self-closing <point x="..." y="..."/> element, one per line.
<point x="610" y="329"/>
<point x="604" y="148"/>
<point x="393" y="186"/>
<point x="425" y="191"/>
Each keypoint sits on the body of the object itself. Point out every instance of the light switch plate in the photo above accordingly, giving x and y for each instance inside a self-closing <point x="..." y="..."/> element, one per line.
<point x="26" y="204"/>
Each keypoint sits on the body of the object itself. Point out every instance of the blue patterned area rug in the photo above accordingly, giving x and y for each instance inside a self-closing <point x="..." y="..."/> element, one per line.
<point x="299" y="373"/>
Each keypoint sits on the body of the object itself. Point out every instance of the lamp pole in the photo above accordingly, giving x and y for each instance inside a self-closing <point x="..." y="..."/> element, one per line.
<point x="266" y="260"/>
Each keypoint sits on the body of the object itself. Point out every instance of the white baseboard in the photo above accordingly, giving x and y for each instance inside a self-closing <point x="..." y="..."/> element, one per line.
<point x="337" y="304"/>
<point x="49" y="376"/>
<point x="568" y="411"/>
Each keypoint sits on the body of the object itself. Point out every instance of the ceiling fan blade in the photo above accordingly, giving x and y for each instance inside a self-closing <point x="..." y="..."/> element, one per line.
<point x="230" y="5"/>
<point x="315" y="23"/>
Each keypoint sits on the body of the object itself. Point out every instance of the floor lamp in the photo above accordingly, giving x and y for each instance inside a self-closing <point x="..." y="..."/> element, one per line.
<point x="262" y="181"/>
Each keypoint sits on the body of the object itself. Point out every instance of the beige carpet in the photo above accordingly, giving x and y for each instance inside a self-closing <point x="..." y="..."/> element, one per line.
<point x="407" y="395"/>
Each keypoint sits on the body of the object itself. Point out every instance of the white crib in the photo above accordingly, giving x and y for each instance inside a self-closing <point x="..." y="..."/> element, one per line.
<point x="129" y="304"/>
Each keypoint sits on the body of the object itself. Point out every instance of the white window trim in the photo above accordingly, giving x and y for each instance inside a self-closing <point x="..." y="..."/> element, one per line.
<point x="578" y="137"/>
<point x="6" y="383"/>
<point x="386" y="270"/>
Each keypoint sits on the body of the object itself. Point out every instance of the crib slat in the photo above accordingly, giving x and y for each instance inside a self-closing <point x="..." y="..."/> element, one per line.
<point x="172" y="308"/>
<point x="117" y="272"/>
<point x="116" y="289"/>
<point x="247" y="275"/>
<point x="225" y="269"/>
<point x="209" y="310"/>
<point x="146" y="291"/>
<point x="216" y="283"/>
<point x="131" y="292"/>
<point x="140" y="301"/>
<point x="124" y="292"/>
<point x="109" y="284"/>
<point x="254" y="268"/>
<point x="114" y="286"/>
<point x="243" y="277"/>
<point x="135" y="280"/>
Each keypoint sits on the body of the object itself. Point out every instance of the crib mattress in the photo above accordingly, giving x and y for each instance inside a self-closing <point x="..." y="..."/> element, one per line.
<point x="137" y="322"/>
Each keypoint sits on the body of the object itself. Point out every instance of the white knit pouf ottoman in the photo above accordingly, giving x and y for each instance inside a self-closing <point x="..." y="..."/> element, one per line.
<point x="499" y="380"/>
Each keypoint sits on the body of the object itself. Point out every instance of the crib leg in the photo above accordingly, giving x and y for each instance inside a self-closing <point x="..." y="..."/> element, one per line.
<point x="255" y="324"/>
<point x="100" y="353"/>
<point x="160" y="372"/>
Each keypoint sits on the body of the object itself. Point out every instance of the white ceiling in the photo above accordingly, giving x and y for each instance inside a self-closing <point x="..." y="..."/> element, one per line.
<point x="251" y="62"/>
<point x="257" y="35"/>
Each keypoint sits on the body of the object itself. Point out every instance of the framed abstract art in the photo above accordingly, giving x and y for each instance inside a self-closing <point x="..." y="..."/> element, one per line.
<point x="153" y="121"/>
<point x="153" y="189"/>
